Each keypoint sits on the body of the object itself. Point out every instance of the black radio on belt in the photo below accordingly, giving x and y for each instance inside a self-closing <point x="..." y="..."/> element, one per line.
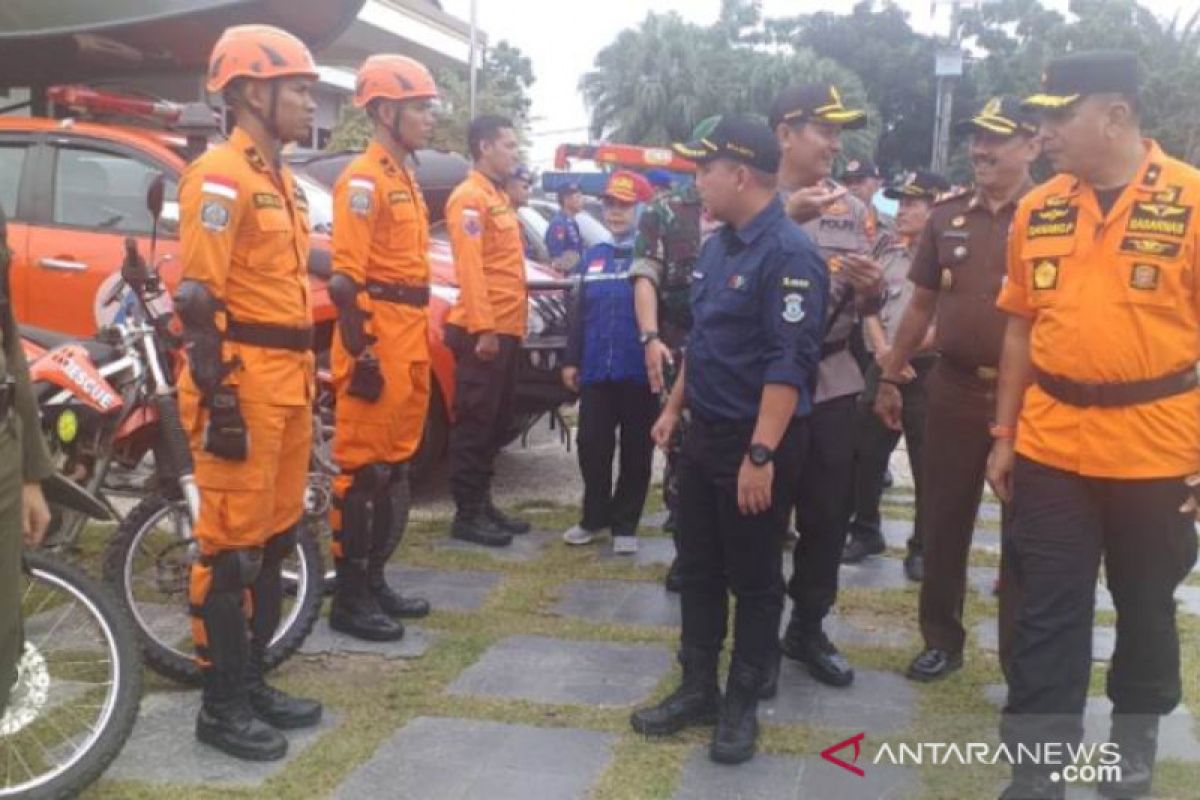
<point x="398" y="293"/>
<point x="8" y="396"/>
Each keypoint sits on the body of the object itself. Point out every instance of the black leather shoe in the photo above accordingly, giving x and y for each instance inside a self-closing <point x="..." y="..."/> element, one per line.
<point x="1136" y="735"/>
<point x="736" y="736"/>
<point x="860" y="547"/>
<point x="395" y="604"/>
<point x="674" y="580"/>
<point x="478" y="529"/>
<point x="934" y="664"/>
<point x="914" y="567"/>
<point x="232" y="729"/>
<point x="816" y="652"/>
<point x="697" y="701"/>
<point x="504" y="522"/>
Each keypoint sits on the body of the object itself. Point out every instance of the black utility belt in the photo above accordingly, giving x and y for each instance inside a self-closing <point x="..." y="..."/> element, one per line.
<point x="275" y="337"/>
<point x="398" y="293"/>
<point x="8" y="397"/>
<point x="1115" y="395"/>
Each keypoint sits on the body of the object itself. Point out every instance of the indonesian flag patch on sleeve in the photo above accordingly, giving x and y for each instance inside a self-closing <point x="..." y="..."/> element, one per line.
<point x="471" y="224"/>
<point x="220" y="186"/>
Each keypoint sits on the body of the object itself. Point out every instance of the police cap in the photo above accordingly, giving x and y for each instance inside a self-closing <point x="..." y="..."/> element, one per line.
<point x="810" y="102"/>
<point x="920" y="185"/>
<point x="1069" y="78"/>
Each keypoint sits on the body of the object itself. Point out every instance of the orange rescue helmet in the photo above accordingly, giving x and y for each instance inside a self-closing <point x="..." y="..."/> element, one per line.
<point x="393" y="77"/>
<point x="258" y="51"/>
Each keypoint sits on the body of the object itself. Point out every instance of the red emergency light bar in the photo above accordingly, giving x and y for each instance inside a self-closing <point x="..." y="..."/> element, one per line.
<point x="85" y="100"/>
<point x="622" y="155"/>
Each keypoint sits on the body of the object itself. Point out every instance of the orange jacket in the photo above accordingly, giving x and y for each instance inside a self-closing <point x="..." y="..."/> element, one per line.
<point x="244" y="235"/>
<point x="381" y="233"/>
<point x="1113" y="299"/>
<point x="485" y="236"/>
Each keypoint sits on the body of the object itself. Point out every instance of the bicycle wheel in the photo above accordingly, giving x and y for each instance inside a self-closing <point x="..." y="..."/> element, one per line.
<point x="148" y="563"/>
<point x="78" y="684"/>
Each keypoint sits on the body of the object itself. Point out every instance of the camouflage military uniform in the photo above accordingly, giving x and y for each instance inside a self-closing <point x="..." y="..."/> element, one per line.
<point x="667" y="244"/>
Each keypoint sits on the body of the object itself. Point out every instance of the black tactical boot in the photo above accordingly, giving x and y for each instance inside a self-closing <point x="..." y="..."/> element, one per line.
<point x="695" y="702"/>
<point x="354" y="610"/>
<point x="226" y="722"/>
<point x="472" y="524"/>
<point x="386" y="535"/>
<point x="504" y="522"/>
<point x="273" y="706"/>
<point x="861" y="545"/>
<point x="1136" y="735"/>
<point x="736" y="737"/>
<point x="813" y="649"/>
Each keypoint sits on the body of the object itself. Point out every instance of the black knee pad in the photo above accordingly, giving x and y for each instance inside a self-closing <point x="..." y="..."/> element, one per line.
<point x="278" y="546"/>
<point x="234" y="570"/>
<point x="371" y="478"/>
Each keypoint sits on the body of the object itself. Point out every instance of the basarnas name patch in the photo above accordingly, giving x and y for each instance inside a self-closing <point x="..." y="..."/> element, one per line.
<point x="1166" y="219"/>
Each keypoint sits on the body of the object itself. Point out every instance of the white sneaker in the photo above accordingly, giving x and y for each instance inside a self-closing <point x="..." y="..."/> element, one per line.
<point x="578" y="535"/>
<point x="625" y="545"/>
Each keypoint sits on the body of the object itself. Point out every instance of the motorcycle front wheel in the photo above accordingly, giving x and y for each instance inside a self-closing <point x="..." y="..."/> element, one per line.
<point x="78" y="685"/>
<point x="148" y="563"/>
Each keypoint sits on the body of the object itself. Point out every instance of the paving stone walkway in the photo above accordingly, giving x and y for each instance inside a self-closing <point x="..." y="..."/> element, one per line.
<point x="576" y="638"/>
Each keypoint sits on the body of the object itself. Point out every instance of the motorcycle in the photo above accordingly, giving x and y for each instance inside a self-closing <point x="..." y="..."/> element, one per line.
<point x="79" y="684"/>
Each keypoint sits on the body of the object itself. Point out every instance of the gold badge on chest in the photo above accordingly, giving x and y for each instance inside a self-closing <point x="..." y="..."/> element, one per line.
<point x="1045" y="274"/>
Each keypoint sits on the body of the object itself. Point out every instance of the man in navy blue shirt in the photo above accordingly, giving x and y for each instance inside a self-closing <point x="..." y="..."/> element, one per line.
<point x="563" y="239"/>
<point x="758" y="300"/>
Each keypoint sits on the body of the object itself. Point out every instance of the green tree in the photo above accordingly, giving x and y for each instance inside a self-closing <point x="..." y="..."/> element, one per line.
<point x="1018" y="37"/>
<point x="655" y="82"/>
<point x="504" y="79"/>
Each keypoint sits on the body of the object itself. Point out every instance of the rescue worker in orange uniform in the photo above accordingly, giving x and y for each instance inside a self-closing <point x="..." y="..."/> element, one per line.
<point x="247" y="394"/>
<point x="1097" y="420"/>
<point x="380" y="285"/>
<point x="484" y="329"/>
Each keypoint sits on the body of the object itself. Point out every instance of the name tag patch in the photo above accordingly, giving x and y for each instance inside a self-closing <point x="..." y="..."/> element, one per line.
<point x="795" y="283"/>
<point x="1052" y="222"/>
<point x="267" y="200"/>
<point x="400" y="196"/>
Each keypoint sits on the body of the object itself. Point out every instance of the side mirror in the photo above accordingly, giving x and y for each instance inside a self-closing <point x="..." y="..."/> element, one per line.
<point x="155" y="196"/>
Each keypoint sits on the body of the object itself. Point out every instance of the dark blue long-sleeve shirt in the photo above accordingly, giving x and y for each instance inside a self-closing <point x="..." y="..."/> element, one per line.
<point x="758" y="302"/>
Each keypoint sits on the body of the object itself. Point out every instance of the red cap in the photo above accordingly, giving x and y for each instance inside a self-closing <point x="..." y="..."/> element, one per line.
<point x="628" y="187"/>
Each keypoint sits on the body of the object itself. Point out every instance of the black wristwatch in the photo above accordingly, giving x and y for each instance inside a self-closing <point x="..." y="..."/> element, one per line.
<point x="647" y="337"/>
<point x="760" y="455"/>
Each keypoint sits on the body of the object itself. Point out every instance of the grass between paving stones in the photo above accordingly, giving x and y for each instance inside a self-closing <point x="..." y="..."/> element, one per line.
<point x="373" y="697"/>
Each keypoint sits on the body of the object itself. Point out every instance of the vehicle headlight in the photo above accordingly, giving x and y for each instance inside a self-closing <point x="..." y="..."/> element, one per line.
<point x="537" y="323"/>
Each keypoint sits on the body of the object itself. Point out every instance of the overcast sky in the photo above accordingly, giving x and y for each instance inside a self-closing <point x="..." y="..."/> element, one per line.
<point x="562" y="37"/>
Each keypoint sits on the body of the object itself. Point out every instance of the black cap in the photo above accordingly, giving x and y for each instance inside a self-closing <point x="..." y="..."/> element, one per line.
<point x="1003" y="116"/>
<point x="739" y="138"/>
<point x="921" y="185"/>
<point x="1069" y="78"/>
<point x="857" y="169"/>
<point x="814" y="101"/>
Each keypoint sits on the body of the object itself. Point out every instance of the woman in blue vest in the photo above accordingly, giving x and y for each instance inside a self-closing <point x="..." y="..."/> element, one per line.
<point x="605" y="364"/>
